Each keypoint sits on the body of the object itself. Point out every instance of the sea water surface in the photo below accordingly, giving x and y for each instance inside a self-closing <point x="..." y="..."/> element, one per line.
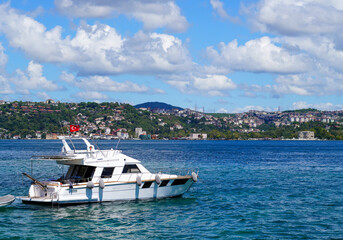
<point x="246" y="190"/>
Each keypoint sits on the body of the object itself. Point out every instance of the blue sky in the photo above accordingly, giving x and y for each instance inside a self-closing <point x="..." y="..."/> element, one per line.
<point x="223" y="56"/>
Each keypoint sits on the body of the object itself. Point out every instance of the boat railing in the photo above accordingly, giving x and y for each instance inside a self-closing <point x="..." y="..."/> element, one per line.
<point x="176" y="171"/>
<point x="99" y="153"/>
<point x="132" y="177"/>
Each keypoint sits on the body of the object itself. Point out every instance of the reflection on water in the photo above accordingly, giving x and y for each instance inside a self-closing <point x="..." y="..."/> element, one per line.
<point x="246" y="190"/>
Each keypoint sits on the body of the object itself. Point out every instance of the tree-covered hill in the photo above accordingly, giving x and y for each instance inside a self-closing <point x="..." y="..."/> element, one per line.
<point x="30" y="119"/>
<point x="157" y="105"/>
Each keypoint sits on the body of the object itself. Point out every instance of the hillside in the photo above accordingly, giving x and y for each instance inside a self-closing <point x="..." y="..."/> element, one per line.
<point x="108" y="119"/>
<point x="157" y="105"/>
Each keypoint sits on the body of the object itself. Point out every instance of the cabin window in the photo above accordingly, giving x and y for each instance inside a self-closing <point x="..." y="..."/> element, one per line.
<point x="164" y="183"/>
<point x="107" y="172"/>
<point x="147" y="184"/>
<point x="82" y="173"/>
<point x="131" y="169"/>
<point x="179" y="182"/>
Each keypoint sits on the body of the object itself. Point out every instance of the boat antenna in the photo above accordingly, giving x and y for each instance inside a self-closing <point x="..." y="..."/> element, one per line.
<point x="71" y="141"/>
<point x="61" y="126"/>
<point x="118" y="143"/>
<point x="96" y="144"/>
<point x="64" y="134"/>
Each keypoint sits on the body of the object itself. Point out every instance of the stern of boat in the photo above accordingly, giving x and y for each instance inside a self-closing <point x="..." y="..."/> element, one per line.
<point x="39" y="194"/>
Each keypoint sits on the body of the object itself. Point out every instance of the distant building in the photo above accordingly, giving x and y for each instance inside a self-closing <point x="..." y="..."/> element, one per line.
<point x="51" y="136"/>
<point x="107" y="130"/>
<point x="198" y="136"/>
<point x="49" y="101"/>
<point x="306" y="135"/>
<point x="138" y="131"/>
<point x="38" y="135"/>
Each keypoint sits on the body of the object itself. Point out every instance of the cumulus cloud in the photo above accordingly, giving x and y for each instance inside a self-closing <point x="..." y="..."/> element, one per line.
<point x="102" y="83"/>
<point x="5" y="86"/>
<point x="248" y="108"/>
<point x="91" y="95"/>
<point x="297" y="17"/>
<point x="95" y="49"/>
<point x="33" y="78"/>
<point x="320" y="106"/>
<point x="3" y="59"/>
<point x="320" y="48"/>
<point x="258" y="55"/>
<point x="222" y="110"/>
<point x="205" y="84"/>
<point x="308" y="45"/>
<point x="153" y="13"/>
<point x="322" y="82"/>
<point x="98" y="50"/>
<point x="43" y="96"/>
<point x="218" y="6"/>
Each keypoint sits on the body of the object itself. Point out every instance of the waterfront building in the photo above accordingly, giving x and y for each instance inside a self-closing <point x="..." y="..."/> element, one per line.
<point x="306" y="135"/>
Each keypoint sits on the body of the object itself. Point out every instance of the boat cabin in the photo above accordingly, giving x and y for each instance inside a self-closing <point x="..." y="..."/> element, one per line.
<point x="85" y="173"/>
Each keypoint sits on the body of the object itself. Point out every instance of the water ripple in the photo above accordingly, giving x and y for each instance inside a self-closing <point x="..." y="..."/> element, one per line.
<point x="246" y="190"/>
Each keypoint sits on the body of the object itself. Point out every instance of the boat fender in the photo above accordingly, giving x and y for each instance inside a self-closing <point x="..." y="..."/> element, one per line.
<point x="139" y="180"/>
<point x="158" y="179"/>
<point x="194" y="177"/>
<point x="101" y="184"/>
<point x="90" y="184"/>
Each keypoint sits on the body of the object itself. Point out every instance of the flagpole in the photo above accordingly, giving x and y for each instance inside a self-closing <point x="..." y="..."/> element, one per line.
<point x="71" y="140"/>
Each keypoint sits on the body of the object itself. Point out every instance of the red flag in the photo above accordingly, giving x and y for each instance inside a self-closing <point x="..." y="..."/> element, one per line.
<point x="74" y="128"/>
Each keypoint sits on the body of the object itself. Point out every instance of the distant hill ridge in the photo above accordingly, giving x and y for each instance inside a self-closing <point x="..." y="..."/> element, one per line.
<point x="157" y="105"/>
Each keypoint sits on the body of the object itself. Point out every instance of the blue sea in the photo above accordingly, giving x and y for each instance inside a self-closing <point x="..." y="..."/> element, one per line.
<point x="246" y="190"/>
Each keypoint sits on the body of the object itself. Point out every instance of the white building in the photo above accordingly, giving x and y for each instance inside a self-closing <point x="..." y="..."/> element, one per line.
<point x="123" y="135"/>
<point x="306" y="135"/>
<point x="107" y="131"/>
<point x="138" y="131"/>
<point x="198" y="136"/>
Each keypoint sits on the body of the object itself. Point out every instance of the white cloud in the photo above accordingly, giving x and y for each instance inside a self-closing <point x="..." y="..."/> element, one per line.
<point x="92" y="95"/>
<point x="214" y="85"/>
<point x="322" y="82"/>
<point x="98" y="50"/>
<point x="158" y="91"/>
<point x="3" y="59"/>
<point x="5" y="86"/>
<point x="25" y="33"/>
<point x="258" y="55"/>
<point x="43" y="96"/>
<point x="103" y="83"/>
<point x="202" y="83"/>
<point x="248" y="108"/>
<point x="153" y="13"/>
<point x="320" y="106"/>
<point x="222" y="110"/>
<point x="95" y="49"/>
<point x="310" y="31"/>
<point x="218" y="6"/>
<point x="320" y="48"/>
<point x="151" y="54"/>
<point x="298" y="17"/>
<point x="33" y="78"/>
<point x="67" y="77"/>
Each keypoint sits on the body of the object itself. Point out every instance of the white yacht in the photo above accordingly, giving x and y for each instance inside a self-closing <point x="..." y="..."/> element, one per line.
<point x="96" y="175"/>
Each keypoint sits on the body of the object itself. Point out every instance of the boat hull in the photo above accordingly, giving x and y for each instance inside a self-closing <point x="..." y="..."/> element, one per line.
<point x="6" y="200"/>
<point x="111" y="192"/>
